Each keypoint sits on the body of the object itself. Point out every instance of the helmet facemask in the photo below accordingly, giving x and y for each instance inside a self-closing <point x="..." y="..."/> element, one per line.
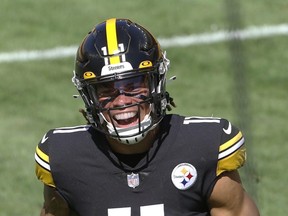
<point x="124" y="108"/>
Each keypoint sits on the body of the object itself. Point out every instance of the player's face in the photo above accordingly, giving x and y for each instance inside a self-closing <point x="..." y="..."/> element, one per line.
<point x="122" y="101"/>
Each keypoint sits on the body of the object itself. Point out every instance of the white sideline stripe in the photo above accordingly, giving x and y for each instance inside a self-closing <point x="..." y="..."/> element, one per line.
<point x="194" y="39"/>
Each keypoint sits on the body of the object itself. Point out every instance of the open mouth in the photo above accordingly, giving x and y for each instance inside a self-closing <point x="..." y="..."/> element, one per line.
<point x="125" y="119"/>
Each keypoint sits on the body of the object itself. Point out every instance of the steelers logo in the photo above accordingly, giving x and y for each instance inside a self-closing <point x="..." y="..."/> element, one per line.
<point x="184" y="176"/>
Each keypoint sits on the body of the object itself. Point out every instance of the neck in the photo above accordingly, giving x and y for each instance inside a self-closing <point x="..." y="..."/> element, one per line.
<point x="140" y="147"/>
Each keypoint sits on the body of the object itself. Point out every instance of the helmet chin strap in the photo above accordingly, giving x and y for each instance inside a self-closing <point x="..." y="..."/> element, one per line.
<point x="129" y="135"/>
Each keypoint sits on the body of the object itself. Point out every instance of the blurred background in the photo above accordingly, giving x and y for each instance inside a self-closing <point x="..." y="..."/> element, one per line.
<point x="230" y="58"/>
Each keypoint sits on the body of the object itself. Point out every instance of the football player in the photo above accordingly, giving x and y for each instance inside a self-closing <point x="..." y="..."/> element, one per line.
<point x="133" y="159"/>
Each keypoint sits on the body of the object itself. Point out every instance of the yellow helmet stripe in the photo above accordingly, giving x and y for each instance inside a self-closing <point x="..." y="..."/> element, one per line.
<point x="112" y="42"/>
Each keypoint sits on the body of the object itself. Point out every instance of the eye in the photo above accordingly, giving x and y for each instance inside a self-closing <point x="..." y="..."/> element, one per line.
<point x="106" y="93"/>
<point x="105" y="89"/>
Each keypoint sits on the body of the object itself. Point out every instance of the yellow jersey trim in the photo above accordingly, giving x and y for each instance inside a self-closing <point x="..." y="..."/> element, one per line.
<point x="232" y="162"/>
<point x="42" y="155"/>
<point x="42" y="168"/>
<point x="231" y="142"/>
<point x="44" y="175"/>
<point x="232" y="154"/>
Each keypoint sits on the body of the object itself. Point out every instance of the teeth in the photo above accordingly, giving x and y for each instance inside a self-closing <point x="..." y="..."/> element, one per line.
<point x="123" y="116"/>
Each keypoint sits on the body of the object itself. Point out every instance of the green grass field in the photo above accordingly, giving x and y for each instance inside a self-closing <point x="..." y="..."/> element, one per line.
<point x="36" y="95"/>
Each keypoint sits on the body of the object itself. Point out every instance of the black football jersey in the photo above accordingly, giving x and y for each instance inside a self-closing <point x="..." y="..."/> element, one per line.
<point x="174" y="178"/>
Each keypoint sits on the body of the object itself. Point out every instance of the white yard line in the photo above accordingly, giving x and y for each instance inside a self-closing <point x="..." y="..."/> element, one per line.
<point x="219" y="36"/>
<point x="186" y="40"/>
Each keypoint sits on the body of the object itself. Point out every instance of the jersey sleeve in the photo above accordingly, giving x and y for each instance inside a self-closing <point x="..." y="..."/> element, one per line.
<point x="42" y="169"/>
<point x="232" y="151"/>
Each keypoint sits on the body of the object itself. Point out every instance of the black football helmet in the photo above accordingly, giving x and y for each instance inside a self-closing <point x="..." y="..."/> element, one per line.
<point x="118" y="50"/>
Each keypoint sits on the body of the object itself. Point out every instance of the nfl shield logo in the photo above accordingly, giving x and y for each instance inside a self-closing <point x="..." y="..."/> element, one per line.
<point x="133" y="180"/>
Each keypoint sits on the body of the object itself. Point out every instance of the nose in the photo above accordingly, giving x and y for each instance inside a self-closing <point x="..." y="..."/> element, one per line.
<point x="122" y="100"/>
